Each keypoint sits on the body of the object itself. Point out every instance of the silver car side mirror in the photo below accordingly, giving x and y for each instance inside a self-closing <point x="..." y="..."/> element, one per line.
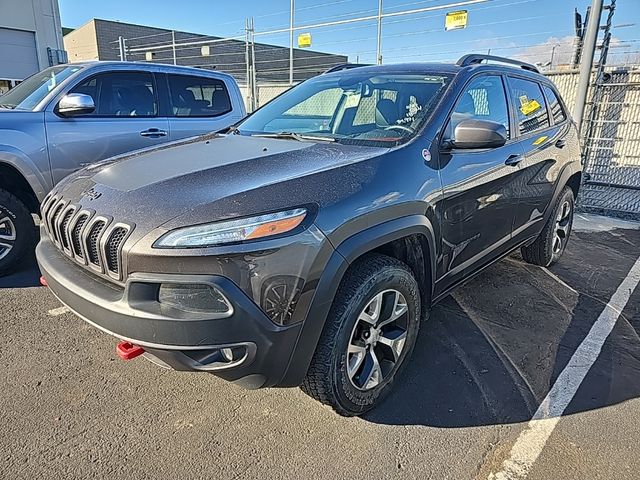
<point x="76" y="104"/>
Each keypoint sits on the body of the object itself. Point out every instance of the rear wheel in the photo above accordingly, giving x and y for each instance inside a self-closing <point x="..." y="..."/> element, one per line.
<point x="370" y="332"/>
<point x="552" y="241"/>
<point x="17" y="231"/>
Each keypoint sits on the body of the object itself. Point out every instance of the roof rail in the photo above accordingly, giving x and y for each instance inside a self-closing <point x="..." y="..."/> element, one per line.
<point x="345" y="66"/>
<point x="476" y="58"/>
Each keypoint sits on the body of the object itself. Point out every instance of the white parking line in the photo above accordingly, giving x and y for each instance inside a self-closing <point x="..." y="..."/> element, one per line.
<point x="58" y="311"/>
<point x="532" y="440"/>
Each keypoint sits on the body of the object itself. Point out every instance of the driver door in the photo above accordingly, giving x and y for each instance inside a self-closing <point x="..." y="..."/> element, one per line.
<point x="479" y="185"/>
<point x="126" y="118"/>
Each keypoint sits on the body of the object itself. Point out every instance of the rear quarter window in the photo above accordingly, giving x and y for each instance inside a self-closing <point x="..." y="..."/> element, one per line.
<point x="557" y="110"/>
<point x="530" y="105"/>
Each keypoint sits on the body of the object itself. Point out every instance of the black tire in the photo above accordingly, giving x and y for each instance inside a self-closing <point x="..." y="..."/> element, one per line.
<point x="552" y="241"/>
<point x="19" y="224"/>
<point x="327" y="380"/>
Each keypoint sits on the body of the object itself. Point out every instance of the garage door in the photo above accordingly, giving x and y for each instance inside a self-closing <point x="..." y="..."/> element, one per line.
<point x="18" y="56"/>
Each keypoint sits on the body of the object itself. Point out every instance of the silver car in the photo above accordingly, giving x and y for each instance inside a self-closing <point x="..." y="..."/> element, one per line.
<point x="70" y="116"/>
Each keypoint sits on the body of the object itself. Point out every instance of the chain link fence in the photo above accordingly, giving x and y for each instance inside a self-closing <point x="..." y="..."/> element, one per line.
<point x="610" y="139"/>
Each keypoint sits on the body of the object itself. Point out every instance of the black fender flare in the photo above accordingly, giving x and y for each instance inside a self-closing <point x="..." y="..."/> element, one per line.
<point x="567" y="172"/>
<point x="343" y="256"/>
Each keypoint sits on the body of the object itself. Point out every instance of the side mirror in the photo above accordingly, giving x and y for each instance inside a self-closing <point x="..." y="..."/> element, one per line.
<point x="479" y="134"/>
<point x="75" y="104"/>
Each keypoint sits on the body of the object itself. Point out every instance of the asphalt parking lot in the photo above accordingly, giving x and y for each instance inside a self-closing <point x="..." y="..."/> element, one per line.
<point x="486" y="359"/>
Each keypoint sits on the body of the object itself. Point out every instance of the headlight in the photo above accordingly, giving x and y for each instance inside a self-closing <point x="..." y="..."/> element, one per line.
<point x="232" y="231"/>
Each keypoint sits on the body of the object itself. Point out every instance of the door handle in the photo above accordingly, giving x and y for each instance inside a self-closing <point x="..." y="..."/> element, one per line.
<point x="513" y="160"/>
<point x="561" y="143"/>
<point x="153" y="133"/>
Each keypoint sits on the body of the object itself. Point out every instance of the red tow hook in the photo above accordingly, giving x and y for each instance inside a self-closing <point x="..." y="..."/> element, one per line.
<point x="128" y="351"/>
<point x="43" y="281"/>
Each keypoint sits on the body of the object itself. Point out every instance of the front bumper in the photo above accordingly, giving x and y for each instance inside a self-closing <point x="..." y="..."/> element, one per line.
<point x="262" y="349"/>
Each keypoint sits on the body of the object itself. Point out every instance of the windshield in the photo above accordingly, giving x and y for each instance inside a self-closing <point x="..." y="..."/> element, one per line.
<point x="351" y="107"/>
<point x="34" y="89"/>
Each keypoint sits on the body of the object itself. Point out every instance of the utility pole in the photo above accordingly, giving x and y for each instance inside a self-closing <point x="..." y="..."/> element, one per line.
<point x="586" y="63"/>
<point x="379" y="45"/>
<point x="173" y="46"/>
<point x="291" y="42"/>
<point x="553" y="53"/>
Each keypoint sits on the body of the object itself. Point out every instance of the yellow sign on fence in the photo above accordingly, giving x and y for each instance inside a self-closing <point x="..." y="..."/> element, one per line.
<point x="455" y="20"/>
<point x="304" y="40"/>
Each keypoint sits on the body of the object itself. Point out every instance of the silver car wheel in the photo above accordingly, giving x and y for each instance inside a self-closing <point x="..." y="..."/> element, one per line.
<point x="563" y="226"/>
<point x="7" y="236"/>
<point x="377" y="340"/>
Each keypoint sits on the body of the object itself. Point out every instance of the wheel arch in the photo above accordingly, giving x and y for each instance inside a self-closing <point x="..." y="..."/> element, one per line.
<point x="13" y="181"/>
<point x="398" y="238"/>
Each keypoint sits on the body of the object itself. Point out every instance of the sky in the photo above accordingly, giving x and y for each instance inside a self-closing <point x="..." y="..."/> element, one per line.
<point x="528" y="29"/>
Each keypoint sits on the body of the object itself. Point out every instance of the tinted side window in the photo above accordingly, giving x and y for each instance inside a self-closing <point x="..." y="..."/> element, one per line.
<point x="557" y="111"/>
<point x="483" y="99"/>
<point x="530" y="105"/>
<point x="121" y="94"/>
<point x="198" y="96"/>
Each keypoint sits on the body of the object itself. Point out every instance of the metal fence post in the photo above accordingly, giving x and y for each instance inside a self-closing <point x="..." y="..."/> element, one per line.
<point x="173" y="46"/>
<point x="123" y="54"/>
<point x="291" y="42"/>
<point x="379" y="43"/>
<point x="248" y="68"/>
<point x="588" y="51"/>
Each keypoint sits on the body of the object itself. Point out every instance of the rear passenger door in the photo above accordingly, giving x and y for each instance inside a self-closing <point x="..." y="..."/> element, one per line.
<point x="198" y="105"/>
<point x="541" y="123"/>
<point x="126" y="118"/>
<point x="479" y="188"/>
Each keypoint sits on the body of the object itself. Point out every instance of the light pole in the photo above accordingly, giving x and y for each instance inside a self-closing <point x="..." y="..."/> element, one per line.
<point x="586" y="63"/>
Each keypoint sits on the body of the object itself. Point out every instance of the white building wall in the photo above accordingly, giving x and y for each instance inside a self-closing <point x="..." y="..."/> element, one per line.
<point x="27" y="28"/>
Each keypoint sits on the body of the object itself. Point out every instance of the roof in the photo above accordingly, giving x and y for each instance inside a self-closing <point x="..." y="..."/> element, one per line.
<point x="151" y="66"/>
<point x="445" y="68"/>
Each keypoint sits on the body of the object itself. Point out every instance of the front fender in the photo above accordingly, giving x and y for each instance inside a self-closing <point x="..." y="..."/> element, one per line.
<point x="344" y="255"/>
<point x="26" y="167"/>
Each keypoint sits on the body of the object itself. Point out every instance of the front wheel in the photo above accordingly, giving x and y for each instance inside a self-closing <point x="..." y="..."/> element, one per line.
<point x="17" y="231"/>
<point x="369" y="335"/>
<point x="552" y="241"/>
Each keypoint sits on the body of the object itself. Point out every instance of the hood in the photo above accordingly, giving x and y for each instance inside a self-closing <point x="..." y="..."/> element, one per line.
<point x="156" y="185"/>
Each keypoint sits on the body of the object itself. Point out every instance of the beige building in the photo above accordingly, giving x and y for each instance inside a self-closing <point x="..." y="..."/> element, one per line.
<point x="30" y="39"/>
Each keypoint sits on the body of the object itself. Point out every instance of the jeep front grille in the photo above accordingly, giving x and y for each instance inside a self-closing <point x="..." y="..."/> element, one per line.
<point x="92" y="240"/>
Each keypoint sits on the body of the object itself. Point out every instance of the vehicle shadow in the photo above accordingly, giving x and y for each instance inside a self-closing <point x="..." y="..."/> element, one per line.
<point x="490" y="352"/>
<point x="26" y="274"/>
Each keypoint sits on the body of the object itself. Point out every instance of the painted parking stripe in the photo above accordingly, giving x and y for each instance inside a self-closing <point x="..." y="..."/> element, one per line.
<point x="533" y="438"/>
<point x="58" y="311"/>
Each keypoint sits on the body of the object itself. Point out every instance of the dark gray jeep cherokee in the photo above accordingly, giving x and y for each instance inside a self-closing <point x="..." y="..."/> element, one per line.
<point x="306" y="245"/>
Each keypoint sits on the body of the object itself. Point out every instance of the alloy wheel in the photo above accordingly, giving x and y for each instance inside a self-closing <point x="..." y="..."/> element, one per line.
<point x="377" y="340"/>
<point x="562" y="228"/>
<point x="7" y="236"/>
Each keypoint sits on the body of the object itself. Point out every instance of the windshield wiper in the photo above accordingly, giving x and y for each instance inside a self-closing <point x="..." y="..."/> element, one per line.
<point x="295" y="136"/>
<point x="7" y="106"/>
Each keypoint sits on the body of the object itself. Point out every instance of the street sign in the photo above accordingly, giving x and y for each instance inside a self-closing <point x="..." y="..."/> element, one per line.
<point x="304" y="40"/>
<point x="456" y="20"/>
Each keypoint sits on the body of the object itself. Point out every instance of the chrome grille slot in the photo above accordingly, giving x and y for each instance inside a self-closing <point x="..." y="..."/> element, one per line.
<point x="93" y="240"/>
<point x="55" y="211"/>
<point x="112" y="248"/>
<point x="76" y="242"/>
<point x="66" y="218"/>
